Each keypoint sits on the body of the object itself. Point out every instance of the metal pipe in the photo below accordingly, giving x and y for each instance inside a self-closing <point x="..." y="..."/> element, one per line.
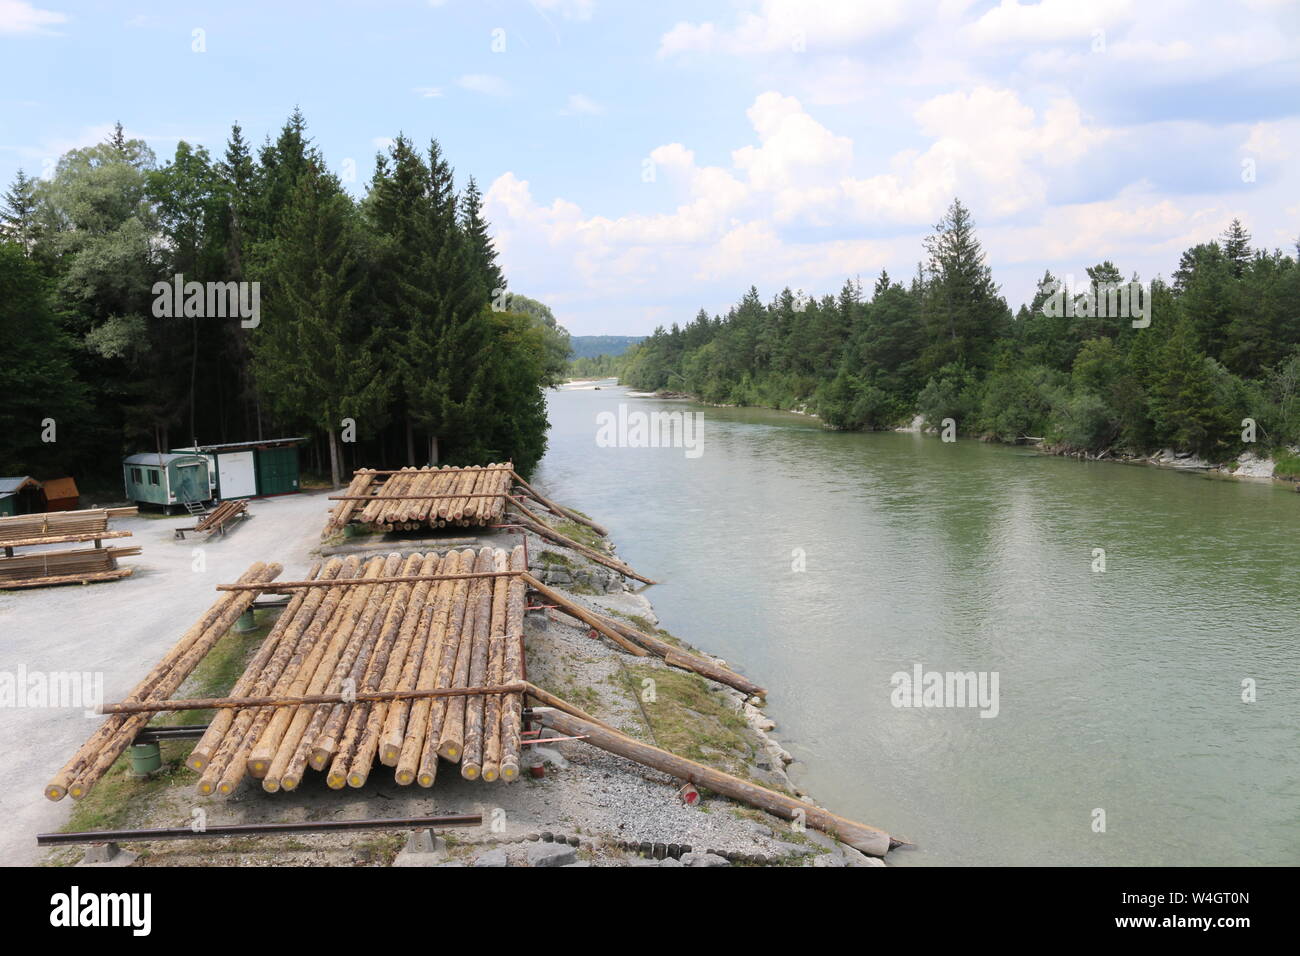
<point x="263" y="829"/>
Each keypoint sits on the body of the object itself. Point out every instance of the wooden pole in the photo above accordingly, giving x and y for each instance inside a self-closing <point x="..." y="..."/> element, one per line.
<point x="582" y="614"/>
<point x="560" y="510"/>
<point x="861" y="837"/>
<point x="551" y="534"/>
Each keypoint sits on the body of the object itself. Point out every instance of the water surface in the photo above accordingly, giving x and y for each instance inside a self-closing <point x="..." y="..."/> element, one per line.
<point x="1118" y="691"/>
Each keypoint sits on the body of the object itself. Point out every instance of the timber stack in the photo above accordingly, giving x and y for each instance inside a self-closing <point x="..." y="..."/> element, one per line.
<point x="402" y="660"/>
<point x="68" y="565"/>
<point x="429" y="497"/>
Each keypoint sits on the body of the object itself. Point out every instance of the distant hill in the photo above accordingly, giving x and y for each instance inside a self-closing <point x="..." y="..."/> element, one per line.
<point x="589" y="346"/>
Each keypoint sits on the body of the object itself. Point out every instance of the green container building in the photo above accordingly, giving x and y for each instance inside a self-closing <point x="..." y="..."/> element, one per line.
<point x="252" y="469"/>
<point x="166" y="479"/>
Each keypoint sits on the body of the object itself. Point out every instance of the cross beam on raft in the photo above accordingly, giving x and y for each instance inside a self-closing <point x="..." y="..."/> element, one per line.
<point x="276" y="587"/>
<point x="863" y="838"/>
<point x="218" y="703"/>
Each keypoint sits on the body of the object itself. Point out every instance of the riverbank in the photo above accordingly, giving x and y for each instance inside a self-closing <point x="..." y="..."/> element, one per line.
<point x="1248" y="465"/>
<point x="581" y="806"/>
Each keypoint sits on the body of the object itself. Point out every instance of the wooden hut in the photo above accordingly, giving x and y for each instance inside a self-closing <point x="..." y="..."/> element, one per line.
<point x="21" y="495"/>
<point x="61" y="494"/>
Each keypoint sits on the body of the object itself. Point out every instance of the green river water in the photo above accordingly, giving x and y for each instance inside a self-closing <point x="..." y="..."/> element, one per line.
<point x="1118" y="691"/>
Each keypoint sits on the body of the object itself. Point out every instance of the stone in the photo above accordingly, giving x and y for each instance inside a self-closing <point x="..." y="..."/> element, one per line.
<point x="107" y="854"/>
<point x="703" y="859"/>
<point x="495" y="857"/>
<point x="669" y="861"/>
<point x="551" y="854"/>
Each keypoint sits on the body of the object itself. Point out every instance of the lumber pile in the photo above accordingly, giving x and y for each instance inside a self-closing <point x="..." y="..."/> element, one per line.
<point x="215" y="521"/>
<point x="65" y="566"/>
<point x="117" y="732"/>
<point x="404" y="661"/>
<point x="426" y="497"/>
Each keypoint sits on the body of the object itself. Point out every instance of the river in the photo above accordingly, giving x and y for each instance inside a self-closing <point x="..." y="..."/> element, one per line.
<point x="1119" y="691"/>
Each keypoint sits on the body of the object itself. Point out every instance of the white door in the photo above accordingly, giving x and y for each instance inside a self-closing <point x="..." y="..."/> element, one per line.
<point x="237" y="475"/>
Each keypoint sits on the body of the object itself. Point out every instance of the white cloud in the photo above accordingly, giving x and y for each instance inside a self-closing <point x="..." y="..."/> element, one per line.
<point x="569" y="9"/>
<point x="428" y="92"/>
<point x="485" y="83"/>
<point x="18" y="16"/>
<point x="579" y="104"/>
<point x="1048" y="21"/>
<point x="792" y="26"/>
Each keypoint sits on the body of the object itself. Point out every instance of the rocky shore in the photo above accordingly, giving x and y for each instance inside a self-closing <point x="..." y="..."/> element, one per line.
<point x="576" y="806"/>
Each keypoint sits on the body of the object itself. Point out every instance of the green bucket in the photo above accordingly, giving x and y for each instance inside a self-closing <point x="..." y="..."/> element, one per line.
<point x="145" y="759"/>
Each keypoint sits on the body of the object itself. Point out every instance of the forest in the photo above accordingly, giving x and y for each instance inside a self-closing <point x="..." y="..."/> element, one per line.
<point x="385" y="333"/>
<point x="1214" y="372"/>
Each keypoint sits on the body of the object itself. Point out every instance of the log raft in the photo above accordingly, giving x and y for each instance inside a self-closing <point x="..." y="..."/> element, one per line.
<point x="405" y="660"/>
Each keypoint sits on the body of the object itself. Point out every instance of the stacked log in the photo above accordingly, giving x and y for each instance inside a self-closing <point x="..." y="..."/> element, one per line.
<point x="216" y="520"/>
<point x="117" y="732"/>
<point x="64" y="566"/>
<point x="429" y="497"/>
<point x="385" y="659"/>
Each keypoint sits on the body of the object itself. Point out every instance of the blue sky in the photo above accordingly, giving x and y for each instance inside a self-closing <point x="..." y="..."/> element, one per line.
<point x="643" y="160"/>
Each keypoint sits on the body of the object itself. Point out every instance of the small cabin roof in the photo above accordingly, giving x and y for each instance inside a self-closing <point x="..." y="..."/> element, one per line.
<point x="156" y="459"/>
<point x="56" y="488"/>
<point x="243" y="445"/>
<point x="9" y="486"/>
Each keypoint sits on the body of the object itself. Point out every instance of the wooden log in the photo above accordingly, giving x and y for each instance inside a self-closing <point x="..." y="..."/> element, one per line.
<point x="451" y="742"/>
<point x="217" y="727"/>
<point x="861" y="837"/>
<point x="179" y="670"/>
<point x="64" y="539"/>
<point x="88" y="578"/>
<point x="58" y="786"/>
<point x="433" y="598"/>
<point x="491" y="768"/>
<point x="686" y="661"/>
<point x="273" y="587"/>
<point x="227" y="759"/>
<point x="548" y="699"/>
<point x="407" y="608"/>
<point x="272" y="722"/>
<point x="368" y="627"/>
<point x="512" y="669"/>
<point x="558" y="510"/>
<point x="388" y="622"/>
<point x="471" y="763"/>
<point x="292" y="746"/>
<point x="552" y="535"/>
<point x="587" y="617"/>
<point x="420" y="748"/>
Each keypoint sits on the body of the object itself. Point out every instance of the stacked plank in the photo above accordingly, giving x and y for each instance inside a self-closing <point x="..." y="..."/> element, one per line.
<point x="216" y="519"/>
<point x="75" y="566"/>
<point x="426" y="497"/>
<point x="376" y="660"/>
<point x="107" y="743"/>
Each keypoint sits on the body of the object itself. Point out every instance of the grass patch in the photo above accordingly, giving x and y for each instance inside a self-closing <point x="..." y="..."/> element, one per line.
<point x="1286" y="465"/>
<point x="114" y="799"/>
<point x="555" y="559"/>
<point x="581" y="534"/>
<point x="690" y="721"/>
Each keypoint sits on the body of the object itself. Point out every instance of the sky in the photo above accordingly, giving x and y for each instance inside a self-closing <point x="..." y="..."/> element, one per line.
<point x="644" y="160"/>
